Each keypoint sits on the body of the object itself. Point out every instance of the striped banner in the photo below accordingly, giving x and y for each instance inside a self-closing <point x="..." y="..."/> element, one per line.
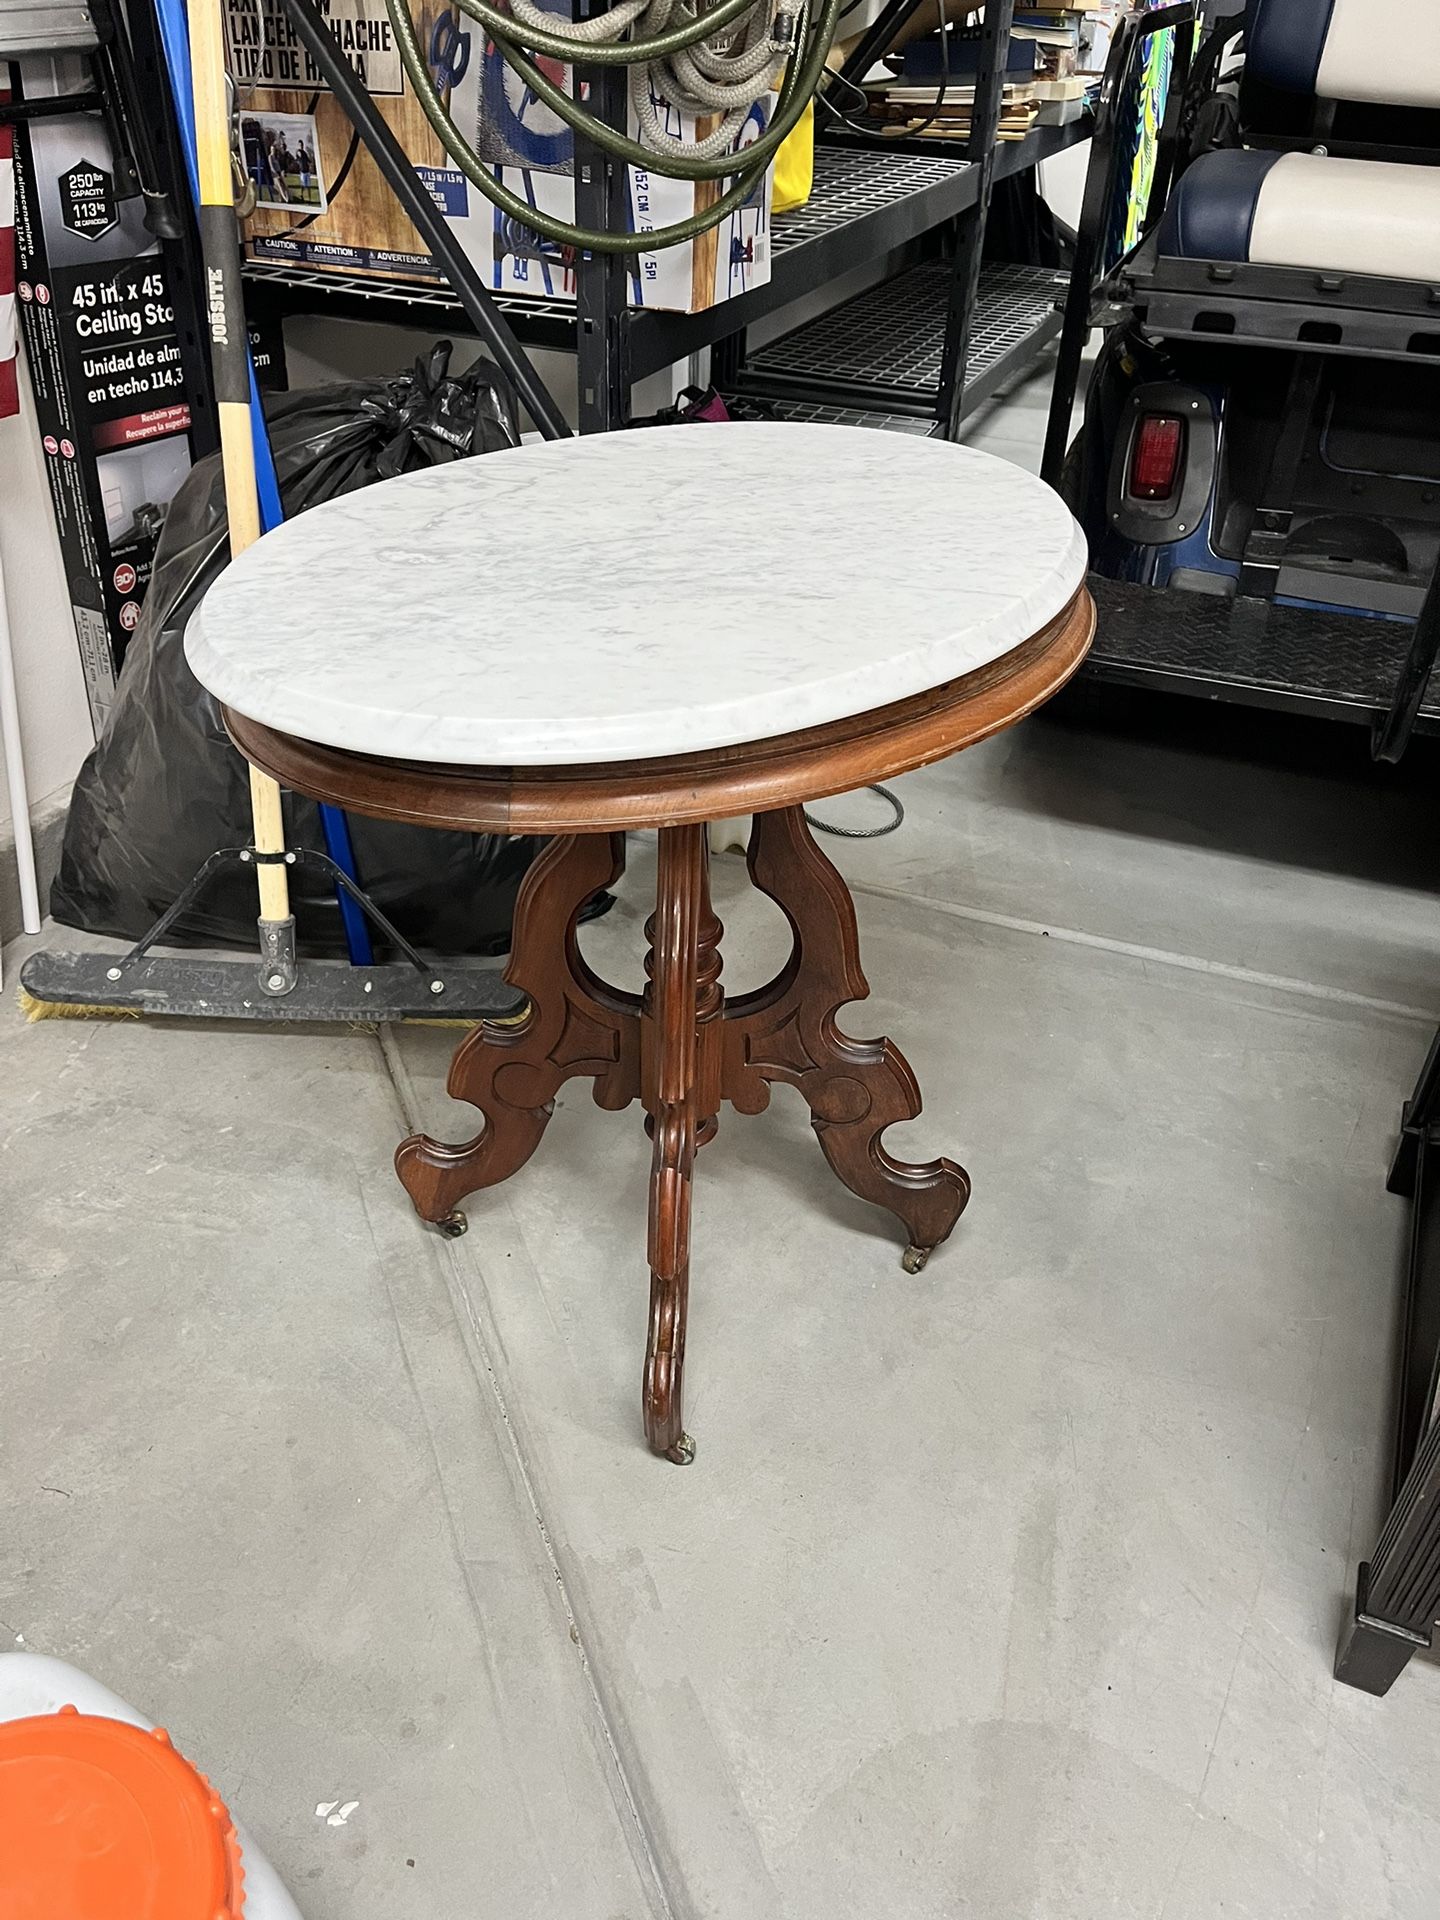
<point x="9" y="397"/>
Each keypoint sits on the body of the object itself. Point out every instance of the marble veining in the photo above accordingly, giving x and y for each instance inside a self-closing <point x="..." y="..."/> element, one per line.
<point x="636" y="594"/>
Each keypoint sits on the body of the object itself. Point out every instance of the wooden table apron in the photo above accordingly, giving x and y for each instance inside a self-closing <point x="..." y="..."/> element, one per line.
<point x="681" y="1047"/>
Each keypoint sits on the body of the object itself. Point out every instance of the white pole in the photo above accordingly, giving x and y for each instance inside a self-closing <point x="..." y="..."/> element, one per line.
<point x="15" y="775"/>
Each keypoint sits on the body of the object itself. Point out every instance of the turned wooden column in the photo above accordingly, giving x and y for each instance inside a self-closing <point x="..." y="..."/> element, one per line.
<point x="680" y="1085"/>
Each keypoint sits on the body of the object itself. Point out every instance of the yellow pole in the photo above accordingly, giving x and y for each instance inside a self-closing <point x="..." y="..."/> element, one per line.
<point x="232" y="389"/>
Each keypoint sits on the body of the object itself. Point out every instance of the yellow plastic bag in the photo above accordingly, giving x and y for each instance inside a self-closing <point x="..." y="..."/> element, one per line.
<point x="795" y="164"/>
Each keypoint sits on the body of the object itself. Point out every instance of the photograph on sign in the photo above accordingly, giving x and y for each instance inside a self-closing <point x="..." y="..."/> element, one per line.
<point x="282" y="159"/>
<point x="136" y="485"/>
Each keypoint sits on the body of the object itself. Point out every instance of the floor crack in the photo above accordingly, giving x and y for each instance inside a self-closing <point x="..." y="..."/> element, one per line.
<point x="642" y="1847"/>
<point x="1159" y="956"/>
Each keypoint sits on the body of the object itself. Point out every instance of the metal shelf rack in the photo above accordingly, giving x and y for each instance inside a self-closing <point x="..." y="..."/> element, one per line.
<point x="886" y="348"/>
<point x="874" y="201"/>
<point x="277" y="287"/>
<point x="1011" y="156"/>
<point x="864" y="206"/>
<point x="821" y="415"/>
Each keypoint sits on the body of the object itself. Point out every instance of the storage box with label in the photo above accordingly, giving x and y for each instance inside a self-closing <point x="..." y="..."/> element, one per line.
<point x="321" y="202"/>
<point x="107" y="369"/>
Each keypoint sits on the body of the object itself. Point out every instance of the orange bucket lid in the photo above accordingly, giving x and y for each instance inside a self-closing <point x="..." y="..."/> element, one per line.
<point x="100" y="1820"/>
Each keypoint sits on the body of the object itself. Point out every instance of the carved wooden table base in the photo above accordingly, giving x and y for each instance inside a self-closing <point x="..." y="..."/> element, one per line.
<point x="681" y="1049"/>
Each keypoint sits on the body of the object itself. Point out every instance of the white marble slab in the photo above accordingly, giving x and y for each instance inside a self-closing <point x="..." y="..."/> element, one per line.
<point x="636" y="594"/>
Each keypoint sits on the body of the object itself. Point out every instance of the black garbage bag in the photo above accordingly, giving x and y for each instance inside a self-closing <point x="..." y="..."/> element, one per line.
<point x="164" y="786"/>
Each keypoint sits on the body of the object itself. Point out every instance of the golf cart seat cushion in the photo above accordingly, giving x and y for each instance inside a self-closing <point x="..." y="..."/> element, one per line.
<point x="1308" y="210"/>
<point x="1383" y="51"/>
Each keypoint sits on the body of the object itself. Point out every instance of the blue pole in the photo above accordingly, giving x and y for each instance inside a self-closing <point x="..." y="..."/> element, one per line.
<point x="175" y="38"/>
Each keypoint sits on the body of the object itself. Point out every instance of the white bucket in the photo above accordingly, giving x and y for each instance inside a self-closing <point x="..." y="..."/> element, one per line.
<point x="32" y="1684"/>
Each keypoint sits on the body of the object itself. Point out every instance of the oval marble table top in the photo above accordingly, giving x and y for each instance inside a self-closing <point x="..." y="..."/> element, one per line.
<point x="636" y="594"/>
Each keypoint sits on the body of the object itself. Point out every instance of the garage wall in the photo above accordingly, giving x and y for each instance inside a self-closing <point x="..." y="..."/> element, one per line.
<point x="54" y="713"/>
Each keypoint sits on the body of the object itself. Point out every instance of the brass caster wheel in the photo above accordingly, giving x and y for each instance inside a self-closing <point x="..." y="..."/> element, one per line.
<point x="453" y="1225"/>
<point x="914" y="1258"/>
<point x="683" y="1451"/>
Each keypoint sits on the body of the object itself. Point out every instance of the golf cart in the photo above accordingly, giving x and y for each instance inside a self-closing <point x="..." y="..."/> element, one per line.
<point x="1259" y="466"/>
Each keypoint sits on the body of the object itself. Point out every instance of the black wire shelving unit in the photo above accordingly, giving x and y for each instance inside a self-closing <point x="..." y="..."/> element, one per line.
<point x="885" y="349"/>
<point x="864" y="206"/>
<point x="930" y="341"/>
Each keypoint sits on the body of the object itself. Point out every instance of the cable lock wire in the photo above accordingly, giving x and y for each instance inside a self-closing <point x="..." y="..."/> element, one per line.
<point x="897" y="819"/>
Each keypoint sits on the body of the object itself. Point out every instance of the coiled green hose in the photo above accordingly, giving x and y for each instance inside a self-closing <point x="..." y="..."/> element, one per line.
<point x="676" y="166"/>
<point x="609" y="53"/>
<point x="747" y="167"/>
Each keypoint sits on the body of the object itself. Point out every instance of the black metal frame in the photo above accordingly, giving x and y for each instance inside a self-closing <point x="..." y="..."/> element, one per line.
<point x="603" y="366"/>
<point x="1397" y="1597"/>
<point x="828" y="369"/>
<point x="617" y="345"/>
<point x="1088" y="271"/>
<point x="874" y="202"/>
<point x="970" y="230"/>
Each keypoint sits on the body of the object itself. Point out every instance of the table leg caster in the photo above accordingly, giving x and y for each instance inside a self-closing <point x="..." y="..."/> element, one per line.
<point x="683" y="1451"/>
<point x="453" y="1225"/>
<point x="914" y="1258"/>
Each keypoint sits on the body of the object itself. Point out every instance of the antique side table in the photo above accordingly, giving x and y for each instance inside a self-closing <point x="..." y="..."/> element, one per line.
<point x="656" y="630"/>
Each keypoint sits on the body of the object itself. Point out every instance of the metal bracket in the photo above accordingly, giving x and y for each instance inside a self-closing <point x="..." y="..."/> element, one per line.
<point x="1264" y="554"/>
<point x="278" y="969"/>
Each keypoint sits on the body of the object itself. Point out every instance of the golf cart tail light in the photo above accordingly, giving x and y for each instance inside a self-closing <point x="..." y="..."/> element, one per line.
<point x="1155" y="457"/>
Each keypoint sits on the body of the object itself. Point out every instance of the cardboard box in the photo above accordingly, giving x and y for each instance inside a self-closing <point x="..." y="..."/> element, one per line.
<point x="323" y="204"/>
<point x="105" y="364"/>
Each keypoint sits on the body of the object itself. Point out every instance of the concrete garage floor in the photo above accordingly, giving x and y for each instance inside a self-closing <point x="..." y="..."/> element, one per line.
<point x="1008" y="1590"/>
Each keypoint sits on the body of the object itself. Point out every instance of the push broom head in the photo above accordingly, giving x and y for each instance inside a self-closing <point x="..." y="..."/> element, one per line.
<point x="84" y="986"/>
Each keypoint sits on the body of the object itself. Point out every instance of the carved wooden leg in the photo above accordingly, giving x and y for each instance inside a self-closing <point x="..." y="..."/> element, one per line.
<point x="680" y="1074"/>
<point x="786" y="1031"/>
<point x="575" y="1025"/>
<point x="1397" y="1598"/>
